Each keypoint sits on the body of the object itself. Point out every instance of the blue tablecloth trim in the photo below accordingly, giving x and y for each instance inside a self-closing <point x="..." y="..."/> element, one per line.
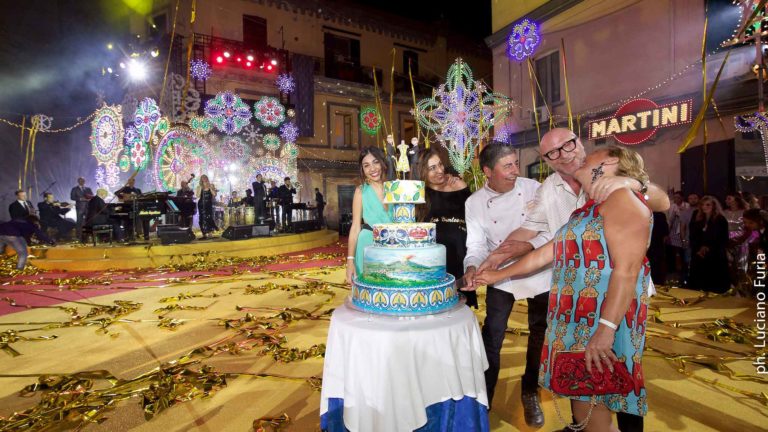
<point x="464" y="415"/>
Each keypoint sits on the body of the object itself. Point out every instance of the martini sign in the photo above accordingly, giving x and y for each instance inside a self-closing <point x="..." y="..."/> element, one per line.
<point x="637" y="120"/>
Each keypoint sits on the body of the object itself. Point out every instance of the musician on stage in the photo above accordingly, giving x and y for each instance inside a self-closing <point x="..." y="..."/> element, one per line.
<point x="249" y="201"/>
<point x="52" y="216"/>
<point x="206" y="192"/>
<point x="320" y="203"/>
<point x="128" y="193"/>
<point x="286" y="193"/>
<point x="234" y="200"/>
<point x="259" y="194"/>
<point x="275" y="199"/>
<point x="80" y="194"/>
<point x="187" y="205"/>
<point x="21" y="208"/>
<point x="96" y="214"/>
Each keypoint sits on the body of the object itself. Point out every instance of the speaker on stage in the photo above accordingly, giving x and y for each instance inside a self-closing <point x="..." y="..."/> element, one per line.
<point x="174" y="234"/>
<point x="241" y="232"/>
<point x="305" y="225"/>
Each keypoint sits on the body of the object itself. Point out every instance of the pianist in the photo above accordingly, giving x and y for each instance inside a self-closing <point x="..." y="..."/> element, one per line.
<point x="98" y="214"/>
<point x="128" y="194"/>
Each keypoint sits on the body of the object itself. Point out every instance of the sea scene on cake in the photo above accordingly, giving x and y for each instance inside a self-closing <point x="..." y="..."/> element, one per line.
<point x="385" y="268"/>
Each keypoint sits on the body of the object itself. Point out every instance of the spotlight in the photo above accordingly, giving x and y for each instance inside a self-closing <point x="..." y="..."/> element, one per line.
<point x="261" y="66"/>
<point x="137" y="71"/>
<point x="227" y="54"/>
<point x="269" y="67"/>
<point x="249" y="58"/>
<point x="219" y="59"/>
<point x="109" y="69"/>
<point x="155" y="52"/>
<point x="274" y="62"/>
<point x="122" y="65"/>
<point x="110" y="46"/>
<point x="248" y="64"/>
<point x="239" y="59"/>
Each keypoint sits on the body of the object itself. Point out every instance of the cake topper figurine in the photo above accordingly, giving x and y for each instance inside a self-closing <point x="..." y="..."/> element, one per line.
<point x="413" y="158"/>
<point x="402" y="161"/>
<point x="391" y="156"/>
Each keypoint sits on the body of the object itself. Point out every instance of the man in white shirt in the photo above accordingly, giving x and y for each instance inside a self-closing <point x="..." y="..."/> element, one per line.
<point x="556" y="199"/>
<point x="492" y="213"/>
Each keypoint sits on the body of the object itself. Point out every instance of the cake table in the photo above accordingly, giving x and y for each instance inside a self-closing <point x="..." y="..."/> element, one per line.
<point x="392" y="374"/>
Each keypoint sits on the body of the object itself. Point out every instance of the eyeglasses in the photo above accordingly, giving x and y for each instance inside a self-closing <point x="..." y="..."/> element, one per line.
<point x="568" y="147"/>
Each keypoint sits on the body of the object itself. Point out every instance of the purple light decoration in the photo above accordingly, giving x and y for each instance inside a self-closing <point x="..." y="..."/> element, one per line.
<point x="285" y="83"/>
<point x="289" y="132"/>
<point x="523" y="40"/>
<point x="200" y="70"/>
<point x="228" y="112"/>
<point x="503" y="133"/>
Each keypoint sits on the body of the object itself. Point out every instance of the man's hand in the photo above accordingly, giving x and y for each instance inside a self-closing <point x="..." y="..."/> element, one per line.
<point x="604" y="186"/>
<point x="510" y="249"/>
<point x="488" y="277"/>
<point x="469" y="279"/>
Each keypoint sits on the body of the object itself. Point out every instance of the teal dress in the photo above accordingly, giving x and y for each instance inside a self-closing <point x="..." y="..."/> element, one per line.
<point x="373" y="213"/>
<point x="580" y="275"/>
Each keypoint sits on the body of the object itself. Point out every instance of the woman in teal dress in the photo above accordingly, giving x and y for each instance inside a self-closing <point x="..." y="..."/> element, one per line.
<point x="599" y="299"/>
<point x="367" y="208"/>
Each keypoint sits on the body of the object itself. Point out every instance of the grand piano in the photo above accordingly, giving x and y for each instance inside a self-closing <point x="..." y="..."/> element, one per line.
<point x="146" y="207"/>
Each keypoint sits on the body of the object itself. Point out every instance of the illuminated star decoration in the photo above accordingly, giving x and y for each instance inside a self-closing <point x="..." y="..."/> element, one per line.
<point x="107" y="134"/>
<point x="285" y="83"/>
<point x="146" y="117"/>
<point x="271" y="142"/>
<point x="289" y="132"/>
<point x="370" y="120"/>
<point x="233" y="149"/>
<point x="269" y="111"/>
<point x="200" y="70"/>
<point x="200" y="125"/>
<point x="252" y="135"/>
<point x="523" y="40"/>
<point x="755" y="122"/>
<point x="228" y="112"/>
<point x="289" y="151"/>
<point x="460" y="114"/>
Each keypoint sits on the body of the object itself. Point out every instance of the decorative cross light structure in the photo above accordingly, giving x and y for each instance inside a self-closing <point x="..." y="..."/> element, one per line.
<point x="460" y="114"/>
<point x="523" y="40"/>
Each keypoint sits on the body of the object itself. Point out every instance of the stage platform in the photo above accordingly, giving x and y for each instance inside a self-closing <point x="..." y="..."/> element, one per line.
<point x="79" y="257"/>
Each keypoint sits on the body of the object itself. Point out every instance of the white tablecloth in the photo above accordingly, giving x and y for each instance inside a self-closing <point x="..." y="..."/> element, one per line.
<point x="389" y="370"/>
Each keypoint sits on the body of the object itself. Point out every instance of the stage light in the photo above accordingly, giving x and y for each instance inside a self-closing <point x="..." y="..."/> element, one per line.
<point x="155" y="52"/>
<point x="261" y="66"/>
<point x="110" y="46"/>
<point x="248" y="64"/>
<point x="137" y="71"/>
<point x="109" y="69"/>
<point x="219" y="59"/>
<point x="122" y="65"/>
<point x="227" y="54"/>
<point x="269" y="67"/>
<point x="239" y="59"/>
<point x="274" y="62"/>
<point x="249" y="58"/>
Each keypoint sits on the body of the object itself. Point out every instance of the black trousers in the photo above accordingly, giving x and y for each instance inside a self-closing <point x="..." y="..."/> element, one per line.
<point x="498" y="307"/>
<point x="287" y="214"/>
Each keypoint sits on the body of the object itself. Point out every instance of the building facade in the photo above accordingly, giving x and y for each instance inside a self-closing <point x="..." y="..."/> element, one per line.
<point x="625" y="50"/>
<point x="332" y="49"/>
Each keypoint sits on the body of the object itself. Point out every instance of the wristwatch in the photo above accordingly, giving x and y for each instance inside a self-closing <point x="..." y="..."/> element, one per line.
<point x="644" y="189"/>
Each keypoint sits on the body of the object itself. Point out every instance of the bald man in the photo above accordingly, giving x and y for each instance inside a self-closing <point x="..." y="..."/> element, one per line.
<point x="556" y="199"/>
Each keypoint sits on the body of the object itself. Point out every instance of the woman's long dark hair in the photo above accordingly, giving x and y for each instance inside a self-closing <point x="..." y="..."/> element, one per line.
<point x="379" y="155"/>
<point x="422" y="210"/>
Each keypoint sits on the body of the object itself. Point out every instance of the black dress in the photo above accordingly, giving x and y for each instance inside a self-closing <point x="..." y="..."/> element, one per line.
<point x="205" y="212"/>
<point x="709" y="273"/>
<point x="446" y="211"/>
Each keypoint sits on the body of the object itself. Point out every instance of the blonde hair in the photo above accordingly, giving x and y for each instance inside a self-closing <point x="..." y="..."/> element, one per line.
<point x="102" y="193"/>
<point x="630" y="163"/>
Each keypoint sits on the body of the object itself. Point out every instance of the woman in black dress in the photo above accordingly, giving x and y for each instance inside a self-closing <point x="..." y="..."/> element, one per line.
<point x="709" y="243"/>
<point x="207" y="193"/>
<point x="445" y="197"/>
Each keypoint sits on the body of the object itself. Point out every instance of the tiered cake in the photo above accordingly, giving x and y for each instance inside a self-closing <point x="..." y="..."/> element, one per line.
<point x="404" y="271"/>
